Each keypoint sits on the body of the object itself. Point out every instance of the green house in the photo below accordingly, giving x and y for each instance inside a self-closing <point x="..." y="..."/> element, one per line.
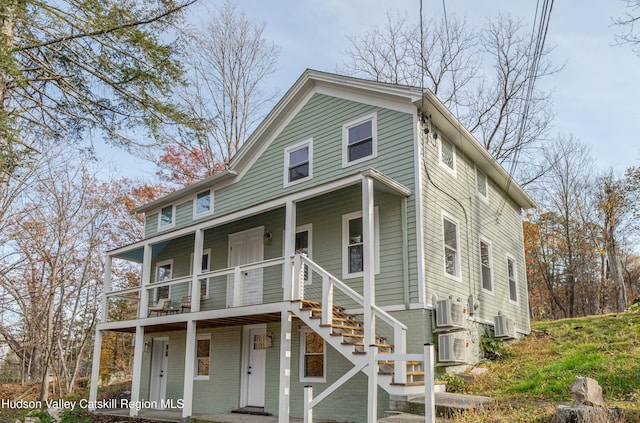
<point x="359" y="219"/>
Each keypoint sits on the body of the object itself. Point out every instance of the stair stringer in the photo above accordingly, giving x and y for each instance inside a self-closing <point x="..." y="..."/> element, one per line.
<point x="384" y="381"/>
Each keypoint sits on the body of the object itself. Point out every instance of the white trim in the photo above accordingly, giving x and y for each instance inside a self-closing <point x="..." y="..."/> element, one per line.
<point x="167" y="226"/>
<point x="373" y="118"/>
<point x="515" y="278"/>
<point x="204" y="336"/>
<point x="483" y="240"/>
<point x="197" y="215"/>
<point x="483" y="197"/>
<point x="444" y="215"/>
<point x="345" y="242"/>
<point x="418" y="163"/>
<point x="323" y="379"/>
<point x="308" y="143"/>
<point x="245" y="354"/>
<point x="453" y="153"/>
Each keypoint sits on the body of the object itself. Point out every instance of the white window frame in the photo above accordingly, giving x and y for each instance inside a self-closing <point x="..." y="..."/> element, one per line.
<point x="208" y="252"/>
<point x="450" y="218"/>
<point x="197" y="215"/>
<point x="309" y="229"/>
<point x="485" y="196"/>
<point x="164" y="227"/>
<point x="515" y="279"/>
<point x="158" y="266"/>
<point x="373" y="117"/>
<point x="303" y="341"/>
<point x="452" y="171"/>
<point x="490" y="250"/>
<point x="345" y="242"/>
<point x="287" y="164"/>
<point x="196" y="376"/>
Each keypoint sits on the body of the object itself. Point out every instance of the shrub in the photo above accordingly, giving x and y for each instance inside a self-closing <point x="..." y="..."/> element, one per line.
<point x="494" y="348"/>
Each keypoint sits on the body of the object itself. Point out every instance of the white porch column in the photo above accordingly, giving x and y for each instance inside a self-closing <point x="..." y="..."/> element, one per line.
<point x="369" y="295"/>
<point x="146" y="279"/>
<point x="137" y="369"/>
<point x="289" y="248"/>
<point x="189" y="363"/>
<point x="106" y="287"/>
<point x="285" y="366"/>
<point x="95" y="369"/>
<point x="197" y="268"/>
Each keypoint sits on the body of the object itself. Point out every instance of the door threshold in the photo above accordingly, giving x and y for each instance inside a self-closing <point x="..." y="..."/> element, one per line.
<point x="255" y="411"/>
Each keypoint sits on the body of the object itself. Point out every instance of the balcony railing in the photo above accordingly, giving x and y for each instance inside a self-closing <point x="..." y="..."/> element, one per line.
<point x="248" y="284"/>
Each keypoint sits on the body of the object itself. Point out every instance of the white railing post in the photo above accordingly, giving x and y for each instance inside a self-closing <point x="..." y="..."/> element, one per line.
<point x="197" y="269"/>
<point x="237" y="286"/>
<point x="289" y="249"/>
<point x="298" y="285"/>
<point x="327" y="300"/>
<point x="146" y="280"/>
<point x="429" y="393"/>
<point x="308" y="397"/>
<point x="372" y="396"/>
<point x="400" y="347"/>
<point x="106" y="288"/>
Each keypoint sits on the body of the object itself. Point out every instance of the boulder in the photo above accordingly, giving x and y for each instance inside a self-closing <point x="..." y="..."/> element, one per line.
<point x="588" y="414"/>
<point x="587" y="391"/>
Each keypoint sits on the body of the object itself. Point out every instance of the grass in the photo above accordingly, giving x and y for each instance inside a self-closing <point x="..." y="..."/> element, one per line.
<point x="537" y="376"/>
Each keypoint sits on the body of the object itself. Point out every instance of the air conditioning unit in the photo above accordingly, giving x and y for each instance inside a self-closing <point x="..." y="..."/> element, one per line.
<point x="452" y="347"/>
<point x="505" y="327"/>
<point x="450" y="315"/>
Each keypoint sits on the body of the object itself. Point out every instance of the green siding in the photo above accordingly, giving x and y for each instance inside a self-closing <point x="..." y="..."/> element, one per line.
<point x="499" y="221"/>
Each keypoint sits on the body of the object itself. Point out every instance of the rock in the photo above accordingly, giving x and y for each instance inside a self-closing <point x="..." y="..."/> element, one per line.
<point x="588" y="414"/>
<point x="54" y="413"/>
<point x="587" y="391"/>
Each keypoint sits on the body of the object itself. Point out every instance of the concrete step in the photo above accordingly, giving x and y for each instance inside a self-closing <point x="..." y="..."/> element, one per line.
<point x="447" y="404"/>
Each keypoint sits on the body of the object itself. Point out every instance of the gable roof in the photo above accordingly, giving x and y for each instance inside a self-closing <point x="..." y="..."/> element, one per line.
<point x="312" y="81"/>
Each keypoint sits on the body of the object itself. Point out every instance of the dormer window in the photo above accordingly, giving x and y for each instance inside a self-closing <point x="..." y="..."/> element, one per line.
<point x="297" y="159"/>
<point x="166" y="218"/>
<point x="203" y="203"/>
<point x="359" y="139"/>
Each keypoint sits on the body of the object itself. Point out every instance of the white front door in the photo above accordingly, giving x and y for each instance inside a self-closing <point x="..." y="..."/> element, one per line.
<point x="159" y="364"/>
<point x="245" y="247"/>
<point x="255" y="365"/>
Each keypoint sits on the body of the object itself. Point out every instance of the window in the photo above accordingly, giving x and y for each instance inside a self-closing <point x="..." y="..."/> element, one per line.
<point x="482" y="185"/>
<point x="303" y="246"/>
<point x="163" y="273"/>
<point x="312" y="357"/>
<point x="204" y="282"/>
<point x="447" y="156"/>
<point x="513" y="287"/>
<point x="359" y="140"/>
<point x="203" y="203"/>
<point x="451" y="253"/>
<point x="297" y="160"/>
<point x="486" y="265"/>
<point x="353" y="244"/>
<point x="166" y="218"/>
<point x="203" y="357"/>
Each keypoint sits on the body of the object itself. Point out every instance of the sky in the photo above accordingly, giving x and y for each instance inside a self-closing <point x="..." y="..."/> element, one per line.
<point x="596" y="96"/>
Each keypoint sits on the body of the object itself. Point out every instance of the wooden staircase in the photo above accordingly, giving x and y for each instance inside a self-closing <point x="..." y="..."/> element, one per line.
<point x="346" y="334"/>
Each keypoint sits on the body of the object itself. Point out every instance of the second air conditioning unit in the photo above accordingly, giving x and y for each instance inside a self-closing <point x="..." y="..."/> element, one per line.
<point x="450" y="315"/>
<point x="505" y="327"/>
<point x="452" y="347"/>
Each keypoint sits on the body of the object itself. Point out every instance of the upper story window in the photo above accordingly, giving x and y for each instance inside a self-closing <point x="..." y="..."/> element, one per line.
<point x="482" y="185"/>
<point x="203" y="203"/>
<point x="204" y="268"/>
<point x="297" y="159"/>
<point x="451" y="252"/>
<point x="511" y="272"/>
<point x="167" y="217"/>
<point x="359" y="140"/>
<point x="447" y="155"/>
<point x="164" y="272"/>
<point x="486" y="265"/>
<point x="353" y="244"/>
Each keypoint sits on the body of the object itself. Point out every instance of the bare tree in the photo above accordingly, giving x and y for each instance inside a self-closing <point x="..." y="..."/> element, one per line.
<point x="627" y="23"/>
<point x="228" y="61"/>
<point x="58" y="238"/>
<point x="486" y="75"/>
